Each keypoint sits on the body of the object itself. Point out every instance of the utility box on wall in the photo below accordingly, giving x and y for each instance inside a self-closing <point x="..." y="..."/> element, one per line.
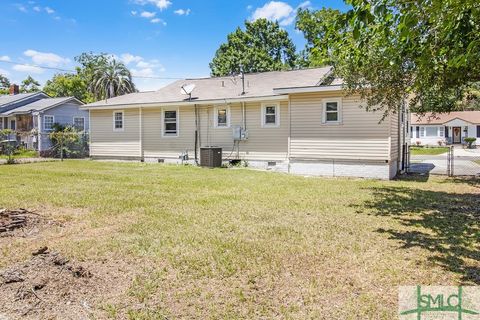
<point x="211" y="157"/>
<point x="240" y="134"/>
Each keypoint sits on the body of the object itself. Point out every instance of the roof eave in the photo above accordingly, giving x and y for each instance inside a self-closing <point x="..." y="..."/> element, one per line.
<point x="185" y="102"/>
<point x="310" y="89"/>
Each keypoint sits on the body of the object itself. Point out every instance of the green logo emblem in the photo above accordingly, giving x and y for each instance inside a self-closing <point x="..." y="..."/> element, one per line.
<point x="451" y="303"/>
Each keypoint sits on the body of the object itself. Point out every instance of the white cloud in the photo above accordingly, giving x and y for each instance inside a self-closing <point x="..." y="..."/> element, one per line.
<point x="128" y="58"/>
<point x="21" y="7"/>
<point x="36" y="9"/>
<point x="158" y="20"/>
<point x="5" y="58"/>
<point x="49" y="10"/>
<point x="182" y="12"/>
<point x="147" y="14"/>
<point x="45" y="58"/>
<point x="279" y="11"/>
<point x="133" y="12"/>
<point x="145" y="72"/>
<point x="27" y="69"/>
<point x="160" y="4"/>
<point x="249" y="7"/>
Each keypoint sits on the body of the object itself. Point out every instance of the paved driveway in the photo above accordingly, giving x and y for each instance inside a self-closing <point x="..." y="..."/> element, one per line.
<point x="466" y="162"/>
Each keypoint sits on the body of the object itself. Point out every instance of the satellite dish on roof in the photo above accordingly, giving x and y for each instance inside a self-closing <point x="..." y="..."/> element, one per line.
<point x="187" y="89"/>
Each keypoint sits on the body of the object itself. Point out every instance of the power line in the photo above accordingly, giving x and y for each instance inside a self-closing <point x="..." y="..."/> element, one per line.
<point x="73" y="71"/>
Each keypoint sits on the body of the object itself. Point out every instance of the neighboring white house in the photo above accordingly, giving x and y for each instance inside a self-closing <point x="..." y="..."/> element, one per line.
<point x="297" y="121"/>
<point x="444" y="128"/>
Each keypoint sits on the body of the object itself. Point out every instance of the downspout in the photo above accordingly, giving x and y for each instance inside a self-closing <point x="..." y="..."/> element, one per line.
<point x="142" y="155"/>
<point x="289" y="140"/>
<point x="196" y="134"/>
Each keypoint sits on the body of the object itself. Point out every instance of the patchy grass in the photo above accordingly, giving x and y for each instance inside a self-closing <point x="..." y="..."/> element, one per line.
<point x="22" y="154"/>
<point x="420" y="151"/>
<point x="242" y="244"/>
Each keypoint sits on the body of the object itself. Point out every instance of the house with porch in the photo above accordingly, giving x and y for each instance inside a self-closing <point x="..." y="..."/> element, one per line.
<point x="32" y="116"/>
<point x="444" y="128"/>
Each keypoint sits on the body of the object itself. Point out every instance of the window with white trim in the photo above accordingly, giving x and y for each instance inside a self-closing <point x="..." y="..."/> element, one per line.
<point x="270" y="115"/>
<point x="170" y="123"/>
<point x="441" y="131"/>
<point x="222" y="117"/>
<point x="118" y="120"/>
<point x="48" y="122"/>
<point x="332" y="111"/>
<point x="431" y="131"/>
<point x="79" y="123"/>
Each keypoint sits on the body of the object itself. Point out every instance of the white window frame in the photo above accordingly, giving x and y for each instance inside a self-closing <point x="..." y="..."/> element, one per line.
<point x="163" y="123"/>
<point x="215" y="116"/>
<point x="430" y="127"/>
<point x="441" y="131"/>
<point x="264" y="114"/>
<point x="83" y="122"/>
<point x="338" y="101"/>
<point x="123" y="120"/>
<point x="9" y="124"/>
<point x="45" y="120"/>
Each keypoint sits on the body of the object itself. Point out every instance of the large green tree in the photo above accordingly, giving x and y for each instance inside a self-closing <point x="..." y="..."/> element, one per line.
<point x="322" y="29"/>
<point x="4" y="84"/>
<point x="262" y="46"/>
<point x="426" y="52"/>
<point x="67" y="85"/>
<point x="29" y="85"/>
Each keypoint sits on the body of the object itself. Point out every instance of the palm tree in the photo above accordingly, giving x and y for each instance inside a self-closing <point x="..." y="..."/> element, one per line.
<point x="112" y="79"/>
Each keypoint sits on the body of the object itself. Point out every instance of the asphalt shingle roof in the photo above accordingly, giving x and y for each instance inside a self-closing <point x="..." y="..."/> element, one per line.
<point x="441" y="118"/>
<point x="39" y="105"/>
<point x="256" y="85"/>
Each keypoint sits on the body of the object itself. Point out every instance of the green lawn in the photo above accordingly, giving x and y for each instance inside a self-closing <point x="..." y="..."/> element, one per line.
<point x="427" y="151"/>
<point x="186" y="242"/>
<point x="22" y="154"/>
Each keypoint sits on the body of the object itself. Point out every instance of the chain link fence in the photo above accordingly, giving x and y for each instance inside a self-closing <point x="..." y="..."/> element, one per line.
<point x="450" y="160"/>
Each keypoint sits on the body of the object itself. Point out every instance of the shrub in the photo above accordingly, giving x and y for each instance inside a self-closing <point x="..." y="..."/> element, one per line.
<point x="418" y="143"/>
<point x="470" y="141"/>
<point x="67" y="143"/>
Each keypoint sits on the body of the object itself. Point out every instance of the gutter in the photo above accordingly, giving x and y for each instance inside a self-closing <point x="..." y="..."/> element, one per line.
<point x="308" y="89"/>
<point x="185" y="103"/>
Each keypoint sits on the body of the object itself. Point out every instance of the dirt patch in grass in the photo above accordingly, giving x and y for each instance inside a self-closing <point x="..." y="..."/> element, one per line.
<point x="22" y="223"/>
<point x="51" y="286"/>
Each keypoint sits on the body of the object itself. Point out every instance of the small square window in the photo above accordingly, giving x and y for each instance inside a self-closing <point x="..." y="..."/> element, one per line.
<point x="331" y="112"/>
<point x="270" y="116"/>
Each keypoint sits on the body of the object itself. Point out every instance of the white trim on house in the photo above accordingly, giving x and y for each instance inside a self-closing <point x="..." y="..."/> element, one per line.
<point x="308" y="89"/>
<point x="339" y="120"/>
<point x="84" y="124"/>
<point x="215" y="117"/>
<point x="263" y="122"/>
<point x="177" y="121"/>
<point x="187" y="103"/>
<point x="115" y="121"/>
<point x="45" y="116"/>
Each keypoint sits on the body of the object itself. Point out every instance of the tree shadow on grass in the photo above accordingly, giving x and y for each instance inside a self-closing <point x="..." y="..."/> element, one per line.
<point x="446" y="224"/>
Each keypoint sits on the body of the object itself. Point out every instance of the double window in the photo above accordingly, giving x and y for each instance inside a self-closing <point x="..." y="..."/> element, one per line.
<point x="79" y="123"/>
<point x="48" y="122"/>
<point x="118" y="121"/>
<point x="332" y="111"/>
<point x="222" y="117"/>
<point x="170" y="123"/>
<point x="270" y="115"/>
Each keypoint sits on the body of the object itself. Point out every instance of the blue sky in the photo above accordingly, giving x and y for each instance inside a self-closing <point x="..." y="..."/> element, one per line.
<point x="155" y="38"/>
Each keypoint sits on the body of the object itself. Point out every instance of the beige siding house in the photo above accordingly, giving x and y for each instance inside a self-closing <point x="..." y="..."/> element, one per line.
<point x="290" y="121"/>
